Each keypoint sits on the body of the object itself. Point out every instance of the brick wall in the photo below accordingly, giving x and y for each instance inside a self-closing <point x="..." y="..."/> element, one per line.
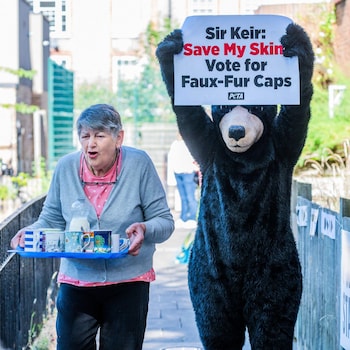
<point x="342" y="35"/>
<point x="309" y="15"/>
<point x="305" y="15"/>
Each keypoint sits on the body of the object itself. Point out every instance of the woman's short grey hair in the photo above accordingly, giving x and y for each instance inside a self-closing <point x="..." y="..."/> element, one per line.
<point x="100" y="117"/>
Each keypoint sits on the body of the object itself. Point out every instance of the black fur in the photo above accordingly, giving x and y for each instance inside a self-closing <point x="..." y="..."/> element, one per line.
<point x="244" y="268"/>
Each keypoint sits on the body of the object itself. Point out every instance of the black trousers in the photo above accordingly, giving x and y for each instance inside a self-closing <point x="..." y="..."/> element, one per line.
<point x="119" y="311"/>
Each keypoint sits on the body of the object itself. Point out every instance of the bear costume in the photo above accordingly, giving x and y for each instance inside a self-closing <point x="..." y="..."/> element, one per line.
<point x="244" y="269"/>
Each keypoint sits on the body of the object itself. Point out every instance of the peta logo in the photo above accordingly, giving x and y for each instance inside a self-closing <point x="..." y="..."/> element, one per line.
<point x="235" y="96"/>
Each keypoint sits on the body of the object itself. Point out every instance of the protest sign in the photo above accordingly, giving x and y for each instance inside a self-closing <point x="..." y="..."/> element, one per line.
<point x="232" y="60"/>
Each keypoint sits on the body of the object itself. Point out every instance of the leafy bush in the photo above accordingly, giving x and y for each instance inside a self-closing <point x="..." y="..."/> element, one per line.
<point x="4" y="192"/>
<point x="327" y="134"/>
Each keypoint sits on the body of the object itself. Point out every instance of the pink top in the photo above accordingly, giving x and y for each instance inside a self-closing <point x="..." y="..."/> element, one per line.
<point x="98" y="196"/>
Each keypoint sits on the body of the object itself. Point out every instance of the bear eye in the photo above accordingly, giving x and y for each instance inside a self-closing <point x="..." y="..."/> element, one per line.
<point x="227" y="109"/>
<point x="255" y="109"/>
<point x="220" y="111"/>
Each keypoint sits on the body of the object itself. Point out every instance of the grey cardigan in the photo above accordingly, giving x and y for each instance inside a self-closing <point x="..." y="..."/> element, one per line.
<point x="137" y="196"/>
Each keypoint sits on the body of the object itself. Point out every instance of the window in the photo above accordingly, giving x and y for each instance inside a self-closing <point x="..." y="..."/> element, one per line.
<point x="56" y="11"/>
<point x="203" y="7"/>
<point x="125" y="68"/>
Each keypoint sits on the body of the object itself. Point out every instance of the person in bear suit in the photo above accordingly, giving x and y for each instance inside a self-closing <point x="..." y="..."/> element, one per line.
<point x="244" y="269"/>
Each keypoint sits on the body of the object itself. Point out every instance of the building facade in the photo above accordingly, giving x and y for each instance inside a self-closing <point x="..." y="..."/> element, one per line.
<point x="342" y="34"/>
<point x="26" y="39"/>
<point x="101" y="40"/>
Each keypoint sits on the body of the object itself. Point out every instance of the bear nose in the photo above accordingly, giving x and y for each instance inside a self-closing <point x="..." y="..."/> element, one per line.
<point x="236" y="132"/>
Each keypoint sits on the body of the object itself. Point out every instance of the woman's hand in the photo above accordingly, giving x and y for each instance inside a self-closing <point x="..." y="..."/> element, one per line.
<point x="136" y="234"/>
<point x="18" y="239"/>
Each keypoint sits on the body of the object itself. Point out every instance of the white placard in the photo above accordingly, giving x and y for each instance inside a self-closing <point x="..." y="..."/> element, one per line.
<point x="232" y="60"/>
<point x="328" y="224"/>
<point x="313" y="221"/>
<point x="302" y="215"/>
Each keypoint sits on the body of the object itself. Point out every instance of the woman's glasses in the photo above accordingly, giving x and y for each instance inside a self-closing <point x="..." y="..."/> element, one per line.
<point x="96" y="183"/>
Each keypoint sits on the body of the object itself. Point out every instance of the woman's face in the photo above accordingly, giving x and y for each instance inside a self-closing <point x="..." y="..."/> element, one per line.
<point x="99" y="148"/>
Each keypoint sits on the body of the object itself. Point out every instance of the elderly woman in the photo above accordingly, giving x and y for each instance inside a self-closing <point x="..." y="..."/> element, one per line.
<point x="126" y="196"/>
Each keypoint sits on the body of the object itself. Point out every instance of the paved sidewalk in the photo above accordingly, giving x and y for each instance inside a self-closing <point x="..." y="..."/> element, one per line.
<point x="171" y="321"/>
<point x="170" y="318"/>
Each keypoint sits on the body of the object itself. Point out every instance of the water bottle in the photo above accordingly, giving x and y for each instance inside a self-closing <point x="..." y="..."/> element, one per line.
<point x="80" y="222"/>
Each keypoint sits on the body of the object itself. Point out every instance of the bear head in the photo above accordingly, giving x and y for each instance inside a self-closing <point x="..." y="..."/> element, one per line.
<point x="241" y="127"/>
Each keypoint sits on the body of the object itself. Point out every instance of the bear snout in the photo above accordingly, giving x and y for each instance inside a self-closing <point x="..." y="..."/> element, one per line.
<point x="236" y="132"/>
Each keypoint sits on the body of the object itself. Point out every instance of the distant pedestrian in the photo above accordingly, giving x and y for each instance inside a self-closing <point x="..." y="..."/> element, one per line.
<point x="185" y="170"/>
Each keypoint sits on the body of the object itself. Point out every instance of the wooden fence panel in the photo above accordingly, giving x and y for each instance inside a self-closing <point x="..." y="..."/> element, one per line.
<point x="344" y="296"/>
<point x="319" y="246"/>
<point x="330" y="286"/>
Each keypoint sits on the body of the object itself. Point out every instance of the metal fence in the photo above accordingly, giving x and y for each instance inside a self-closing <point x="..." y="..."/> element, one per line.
<point x="319" y="233"/>
<point x="27" y="286"/>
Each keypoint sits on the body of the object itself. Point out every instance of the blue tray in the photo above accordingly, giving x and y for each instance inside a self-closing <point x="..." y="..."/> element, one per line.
<point x="24" y="254"/>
